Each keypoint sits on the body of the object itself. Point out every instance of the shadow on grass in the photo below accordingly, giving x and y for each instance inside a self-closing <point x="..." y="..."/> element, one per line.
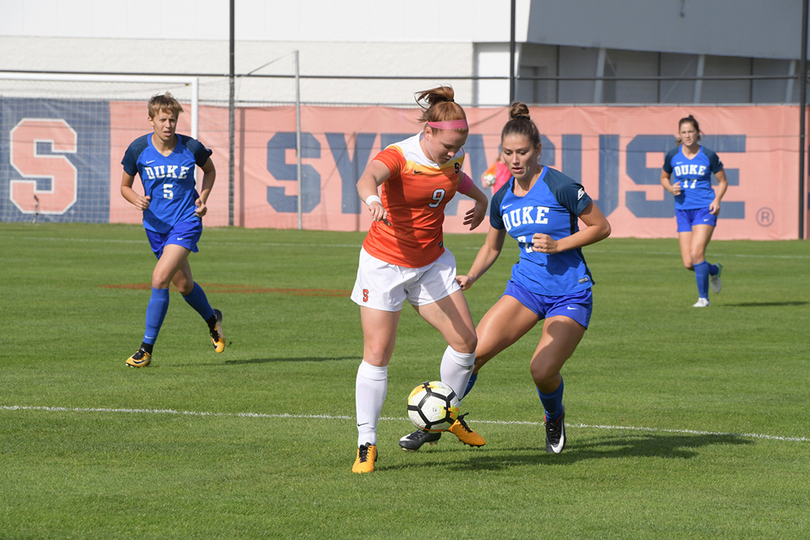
<point x="269" y="360"/>
<point x="766" y="304"/>
<point x="674" y="446"/>
<point x="298" y="359"/>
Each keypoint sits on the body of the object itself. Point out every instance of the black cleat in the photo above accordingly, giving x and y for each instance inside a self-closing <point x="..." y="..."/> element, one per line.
<point x="415" y="440"/>
<point x="555" y="435"/>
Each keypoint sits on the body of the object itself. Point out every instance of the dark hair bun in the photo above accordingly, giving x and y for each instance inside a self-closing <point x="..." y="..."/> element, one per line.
<point x="519" y="110"/>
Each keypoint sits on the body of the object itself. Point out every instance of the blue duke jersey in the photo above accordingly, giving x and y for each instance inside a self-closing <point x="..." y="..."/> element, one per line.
<point x="551" y="207"/>
<point x="168" y="180"/>
<point x="695" y="176"/>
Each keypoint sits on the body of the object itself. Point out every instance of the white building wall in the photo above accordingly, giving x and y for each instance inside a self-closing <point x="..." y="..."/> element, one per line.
<point x="417" y="38"/>
<point x="492" y="59"/>
<point x="434" y="40"/>
<point x="413" y="21"/>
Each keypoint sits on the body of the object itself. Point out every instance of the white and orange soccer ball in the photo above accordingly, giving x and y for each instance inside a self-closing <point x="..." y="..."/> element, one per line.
<point x="433" y="406"/>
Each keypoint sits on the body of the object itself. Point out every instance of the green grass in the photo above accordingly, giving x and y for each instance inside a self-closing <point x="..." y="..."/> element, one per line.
<point x="682" y="423"/>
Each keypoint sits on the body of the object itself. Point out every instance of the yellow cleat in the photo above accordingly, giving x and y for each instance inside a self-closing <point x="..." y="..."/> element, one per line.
<point x="141" y="358"/>
<point x="217" y="337"/>
<point x="465" y="434"/>
<point x="366" y="456"/>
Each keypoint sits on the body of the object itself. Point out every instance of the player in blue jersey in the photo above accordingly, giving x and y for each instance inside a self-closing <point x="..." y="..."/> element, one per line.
<point x="172" y="216"/>
<point x="696" y="204"/>
<point x="539" y="208"/>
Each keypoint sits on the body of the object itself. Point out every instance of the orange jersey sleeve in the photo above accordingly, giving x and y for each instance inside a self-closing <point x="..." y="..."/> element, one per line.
<point x="415" y="196"/>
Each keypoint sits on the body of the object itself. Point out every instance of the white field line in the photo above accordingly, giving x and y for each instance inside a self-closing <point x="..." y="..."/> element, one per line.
<point x="335" y="417"/>
<point x="357" y="246"/>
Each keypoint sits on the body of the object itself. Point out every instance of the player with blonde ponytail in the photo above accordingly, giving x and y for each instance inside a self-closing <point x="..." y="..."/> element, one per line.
<point x="406" y="188"/>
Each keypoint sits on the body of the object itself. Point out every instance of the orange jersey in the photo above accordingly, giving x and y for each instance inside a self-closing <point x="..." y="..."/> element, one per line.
<point x="415" y="196"/>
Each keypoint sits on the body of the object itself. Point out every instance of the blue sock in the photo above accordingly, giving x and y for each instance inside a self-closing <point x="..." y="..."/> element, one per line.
<point x="552" y="402"/>
<point x="155" y="313"/>
<point x="197" y="299"/>
<point x="702" y="278"/>
<point x="470" y="384"/>
<point x="712" y="269"/>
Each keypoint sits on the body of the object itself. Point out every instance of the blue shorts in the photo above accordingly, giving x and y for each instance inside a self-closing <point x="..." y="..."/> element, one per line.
<point x="577" y="306"/>
<point x="185" y="233"/>
<point x="694" y="216"/>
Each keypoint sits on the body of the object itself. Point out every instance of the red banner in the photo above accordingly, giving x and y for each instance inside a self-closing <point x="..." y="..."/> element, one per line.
<point x="615" y="152"/>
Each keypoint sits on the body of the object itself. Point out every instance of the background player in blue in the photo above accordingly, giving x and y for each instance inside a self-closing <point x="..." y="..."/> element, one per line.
<point x="172" y="212"/>
<point x="538" y="207"/>
<point x="696" y="204"/>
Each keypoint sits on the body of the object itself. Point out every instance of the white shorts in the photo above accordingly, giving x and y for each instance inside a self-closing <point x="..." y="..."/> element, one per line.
<point x="385" y="286"/>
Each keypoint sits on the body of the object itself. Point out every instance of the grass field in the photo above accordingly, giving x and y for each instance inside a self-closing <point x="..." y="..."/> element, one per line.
<point x="682" y="423"/>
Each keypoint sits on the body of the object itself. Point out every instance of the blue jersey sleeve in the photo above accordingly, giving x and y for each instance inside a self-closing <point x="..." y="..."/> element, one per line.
<point x="715" y="165"/>
<point x="130" y="161"/>
<point x="495" y="217"/>
<point x="668" y="160"/>
<point x="570" y="194"/>
<point x="201" y="153"/>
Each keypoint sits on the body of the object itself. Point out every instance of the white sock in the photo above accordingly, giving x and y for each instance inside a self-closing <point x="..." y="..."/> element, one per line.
<point x="456" y="370"/>
<point x="370" y="390"/>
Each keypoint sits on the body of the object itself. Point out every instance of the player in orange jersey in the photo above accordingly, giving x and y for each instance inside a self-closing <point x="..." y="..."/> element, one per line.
<point x="496" y="175"/>
<point x="404" y="258"/>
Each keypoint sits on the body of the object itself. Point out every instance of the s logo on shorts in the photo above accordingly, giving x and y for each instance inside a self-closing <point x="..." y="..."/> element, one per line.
<point x="365" y="295"/>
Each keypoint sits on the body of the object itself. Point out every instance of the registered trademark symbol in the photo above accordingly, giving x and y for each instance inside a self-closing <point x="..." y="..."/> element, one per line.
<point x="765" y="217"/>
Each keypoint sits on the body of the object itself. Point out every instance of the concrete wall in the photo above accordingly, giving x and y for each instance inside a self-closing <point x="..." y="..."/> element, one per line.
<point x="748" y="28"/>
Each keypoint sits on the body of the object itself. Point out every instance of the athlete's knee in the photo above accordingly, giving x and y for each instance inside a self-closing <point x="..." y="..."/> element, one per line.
<point x="543" y="374"/>
<point x="467" y="344"/>
<point x="377" y="354"/>
<point x="183" y="282"/>
<point x="185" y="288"/>
<point x="160" y="280"/>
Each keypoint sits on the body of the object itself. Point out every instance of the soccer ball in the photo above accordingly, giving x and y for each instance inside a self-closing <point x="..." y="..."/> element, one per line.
<point x="433" y="406"/>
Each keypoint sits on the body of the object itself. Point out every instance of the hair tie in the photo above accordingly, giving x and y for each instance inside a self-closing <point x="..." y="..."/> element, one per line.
<point x="519" y="116"/>
<point x="449" y="124"/>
